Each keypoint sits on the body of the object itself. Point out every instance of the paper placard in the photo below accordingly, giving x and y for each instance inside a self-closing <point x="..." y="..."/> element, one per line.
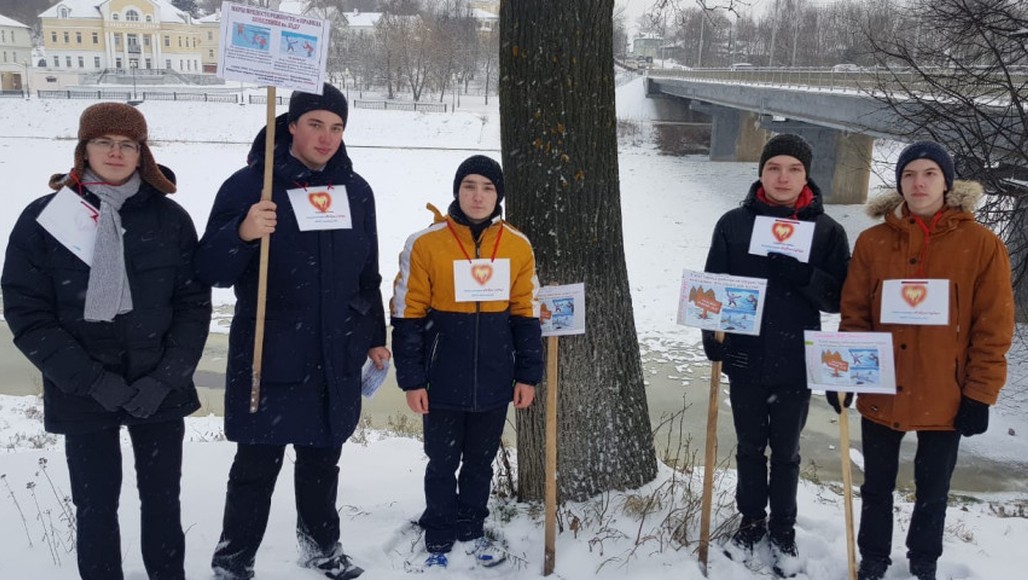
<point x="481" y="280"/>
<point x="321" y="208"/>
<point x="721" y="302"/>
<point x="72" y="221"/>
<point x="922" y="302"/>
<point x="372" y="377"/>
<point x="784" y="236"/>
<point x="562" y="309"/>
<point x="854" y="362"/>
<point x="272" y="48"/>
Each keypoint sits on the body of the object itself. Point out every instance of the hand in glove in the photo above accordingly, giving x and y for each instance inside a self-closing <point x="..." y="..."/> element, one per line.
<point x="149" y="398"/>
<point x="111" y="391"/>
<point x="972" y="417"/>
<point x="787" y="268"/>
<point x="714" y="350"/>
<point x="833" y="399"/>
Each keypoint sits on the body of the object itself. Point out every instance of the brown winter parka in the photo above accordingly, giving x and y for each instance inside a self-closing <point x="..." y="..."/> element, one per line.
<point x="935" y="365"/>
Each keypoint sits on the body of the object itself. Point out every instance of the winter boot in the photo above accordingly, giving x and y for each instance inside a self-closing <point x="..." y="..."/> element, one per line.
<point x="223" y="573"/>
<point x="486" y="552"/>
<point x="785" y="556"/>
<point x="922" y="569"/>
<point x="872" y="569"/>
<point x="749" y="534"/>
<point x="336" y="566"/>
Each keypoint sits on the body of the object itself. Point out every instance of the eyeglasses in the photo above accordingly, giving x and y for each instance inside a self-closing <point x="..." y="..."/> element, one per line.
<point x="121" y="146"/>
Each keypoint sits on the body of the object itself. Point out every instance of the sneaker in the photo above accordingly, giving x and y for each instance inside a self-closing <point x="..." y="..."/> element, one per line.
<point x="922" y="569"/>
<point x="871" y="569"/>
<point x="486" y="552"/>
<point x="337" y="566"/>
<point x="749" y="534"/>
<point x="222" y="573"/>
<point x="436" y="560"/>
<point x="785" y="557"/>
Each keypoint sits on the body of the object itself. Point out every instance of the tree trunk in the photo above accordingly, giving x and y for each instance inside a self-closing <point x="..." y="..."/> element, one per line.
<point x="560" y="153"/>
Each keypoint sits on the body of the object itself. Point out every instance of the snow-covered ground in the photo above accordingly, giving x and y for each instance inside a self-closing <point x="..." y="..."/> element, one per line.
<point x="670" y="205"/>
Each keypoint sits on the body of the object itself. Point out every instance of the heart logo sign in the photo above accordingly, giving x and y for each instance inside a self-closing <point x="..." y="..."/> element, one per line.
<point x="914" y="294"/>
<point x="482" y="273"/>
<point x="320" y="200"/>
<point x="782" y="231"/>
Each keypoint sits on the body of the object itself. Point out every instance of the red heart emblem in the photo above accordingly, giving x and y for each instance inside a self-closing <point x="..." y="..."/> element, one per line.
<point x="782" y="231"/>
<point x="320" y="200"/>
<point x="482" y="273"/>
<point x="914" y="294"/>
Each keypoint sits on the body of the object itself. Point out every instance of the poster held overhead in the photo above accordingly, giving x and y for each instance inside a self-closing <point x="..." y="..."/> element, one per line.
<point x="275" y="49"/>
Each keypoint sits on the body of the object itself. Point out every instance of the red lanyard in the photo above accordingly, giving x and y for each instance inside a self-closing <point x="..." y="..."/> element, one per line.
<point x="496" y="246"/>
<point x="927" y="238"/>
<point x="304" y="186"/>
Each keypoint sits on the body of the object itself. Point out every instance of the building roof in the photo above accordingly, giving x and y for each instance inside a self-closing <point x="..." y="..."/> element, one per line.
<point x="91" y="9"/>
<point x="5" y="21"/>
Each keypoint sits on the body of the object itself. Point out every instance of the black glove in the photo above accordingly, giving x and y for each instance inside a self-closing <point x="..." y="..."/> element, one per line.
<point x="788" y="269"/>
<point x="714" y="350"/>
<point x="148" y="399"/>
<point x="972" y="417"/>
<point x="111" y="391"/>
<point x="833" y="399"/>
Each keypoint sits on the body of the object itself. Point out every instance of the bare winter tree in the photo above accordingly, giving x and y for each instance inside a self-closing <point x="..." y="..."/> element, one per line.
<point x="958" y="73"/>
<point x="560" y="156"/>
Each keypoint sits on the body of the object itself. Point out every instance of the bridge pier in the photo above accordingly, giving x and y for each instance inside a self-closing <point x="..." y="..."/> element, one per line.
<point x="842" y="161"/>
<point x="736" y="135"/>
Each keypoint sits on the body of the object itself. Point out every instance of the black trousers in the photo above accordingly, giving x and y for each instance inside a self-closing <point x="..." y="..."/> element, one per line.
<point x="251" y="482"/>
<point x="933" y="467"/>
<point x="768" y="416"/>
<point x="94" y="466"/>
<point x="455" y="507"/>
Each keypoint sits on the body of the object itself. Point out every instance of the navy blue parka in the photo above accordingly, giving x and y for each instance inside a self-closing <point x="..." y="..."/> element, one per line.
<point x="324" y="304"/>
<point x="161" y="338"/>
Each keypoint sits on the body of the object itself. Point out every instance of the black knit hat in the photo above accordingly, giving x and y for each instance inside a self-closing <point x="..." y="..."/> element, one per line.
<point x="330" y="100"/>
<point x="925" y="150"/>
<point x="787" y="144"/>
<point x="480" y="165"/>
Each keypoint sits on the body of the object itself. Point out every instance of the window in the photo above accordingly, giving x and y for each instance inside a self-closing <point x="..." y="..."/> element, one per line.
<point x="210" y="53"/>
<point x="96" y="62"/>
<point x="3" y="36"/>
<point x="117" y="63"/>
<point x="67" y="61"/>
<point x="149" y="18"/>
<point x="64" y="12"/>
<point x="78" y="38"/>
<point x="114" y="16"/>
<point x="57" y="62"/>
<point x="53" y="37"/>
<point x="132" y="16"/>
<point x="167" y="42"/>
<point x="117" y="39"/>
<point x="167" y="64"/>
<point x="96" y="38"/>
<point x="179" y="41"/>
<point x="82" y="62"/>
<point x="67" y="38"/>
<point x="146" y="40"/>
<point x="5" y="56"/>
<point x="149" y="65"/>
<point x="210" y="35"/>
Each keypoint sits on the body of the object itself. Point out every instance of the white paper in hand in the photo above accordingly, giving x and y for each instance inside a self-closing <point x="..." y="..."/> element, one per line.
<point x="372" y="377"/>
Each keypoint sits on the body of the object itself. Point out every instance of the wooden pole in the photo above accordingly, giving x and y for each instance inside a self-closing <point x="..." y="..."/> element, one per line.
<point x="847" y="487"/>
<point x="550" y="539"/>
<point x="710" y="459"/>
<point x="262" y="273"/>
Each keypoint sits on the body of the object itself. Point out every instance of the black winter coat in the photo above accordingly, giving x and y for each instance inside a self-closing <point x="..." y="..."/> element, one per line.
<point x="44" y="290"/>
<point x="324" y="303"/>
<point x="775" y="357"/>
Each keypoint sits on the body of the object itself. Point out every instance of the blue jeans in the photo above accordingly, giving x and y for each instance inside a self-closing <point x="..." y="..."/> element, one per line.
<point x="455" y="507"/>
<point x="94" y="466"/>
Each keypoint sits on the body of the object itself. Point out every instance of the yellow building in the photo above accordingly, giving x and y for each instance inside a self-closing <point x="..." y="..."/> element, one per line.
<point x="97" y="35"/>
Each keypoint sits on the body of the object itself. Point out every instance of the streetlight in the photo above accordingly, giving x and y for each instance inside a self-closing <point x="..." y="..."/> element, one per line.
<point x="346" y="84"/>
<point x="132" y="65"/>
<point x="453" y="77"/>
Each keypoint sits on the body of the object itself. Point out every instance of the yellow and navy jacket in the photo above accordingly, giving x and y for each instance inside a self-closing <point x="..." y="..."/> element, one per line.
<point x="468" y="354"/>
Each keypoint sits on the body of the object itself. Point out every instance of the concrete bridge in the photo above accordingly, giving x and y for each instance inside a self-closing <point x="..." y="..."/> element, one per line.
<point x="831" y="110"/>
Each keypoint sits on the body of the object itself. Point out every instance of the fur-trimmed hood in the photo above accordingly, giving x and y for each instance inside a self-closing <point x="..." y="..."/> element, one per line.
<point x="964" y="195"/>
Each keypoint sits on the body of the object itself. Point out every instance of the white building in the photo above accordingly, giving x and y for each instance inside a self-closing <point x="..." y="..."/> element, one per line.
<point x="16" y="50"/>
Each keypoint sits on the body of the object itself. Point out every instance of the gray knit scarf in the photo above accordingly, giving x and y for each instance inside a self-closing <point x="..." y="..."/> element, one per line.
<point x="108" y="293"/>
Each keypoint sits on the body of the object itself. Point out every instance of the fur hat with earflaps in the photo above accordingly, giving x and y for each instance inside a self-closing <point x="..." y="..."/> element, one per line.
<point x="114" y="119"/>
